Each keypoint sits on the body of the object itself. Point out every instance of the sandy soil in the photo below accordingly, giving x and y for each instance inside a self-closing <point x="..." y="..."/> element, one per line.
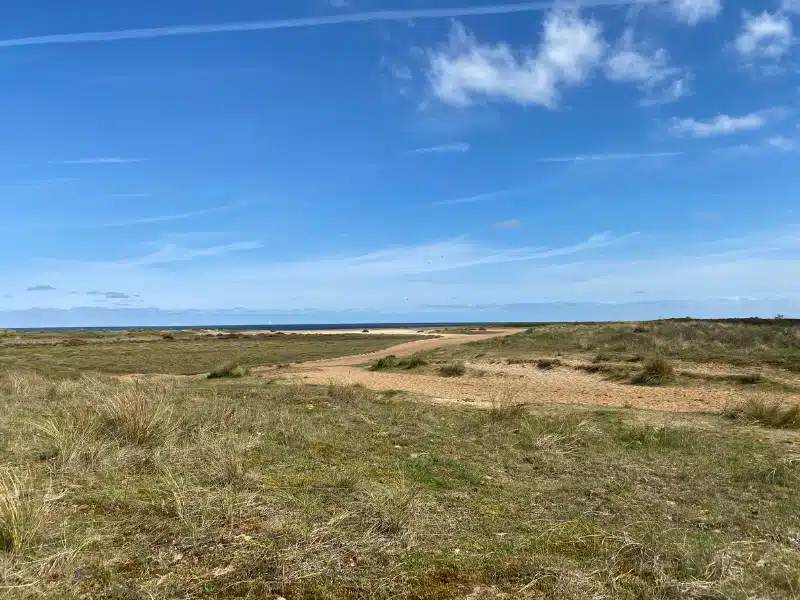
<point x="491" y="383"/>
<point x="385" y="331"/>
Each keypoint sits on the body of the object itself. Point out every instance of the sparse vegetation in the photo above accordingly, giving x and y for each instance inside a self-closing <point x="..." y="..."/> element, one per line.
<point x="229" y="369"/>
<point x="455" y="369"/>
<point x="656" y="371"/>
<point x="189" y="353"/>
<point x="546" y="364"/>
<point x="258" y="491"/>
<point x="392" y="362"/>
<point x="766" y="411"/>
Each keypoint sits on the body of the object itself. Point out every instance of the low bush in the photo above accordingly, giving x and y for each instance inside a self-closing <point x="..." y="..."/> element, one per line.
<point x="769" y="412"/>
<point x="456" y="369"/>
<point x="229" y="370"/>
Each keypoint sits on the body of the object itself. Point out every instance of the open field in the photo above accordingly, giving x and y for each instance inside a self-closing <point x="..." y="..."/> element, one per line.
<point x="240" y="489"/>
<point x="180" y="353"/>
<point x="506" y="463"/>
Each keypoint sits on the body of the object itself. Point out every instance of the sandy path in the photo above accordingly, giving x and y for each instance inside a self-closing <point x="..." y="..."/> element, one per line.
<point x="489" y="383"/>
<point x="404" y="349"/>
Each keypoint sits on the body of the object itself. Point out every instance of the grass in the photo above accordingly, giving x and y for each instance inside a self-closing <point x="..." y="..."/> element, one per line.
<point x="775" y="342"/>
<point x="455" y="369"/>
<point x="392" y="362"/>
<point x="767" y="411"/>
<point x="656" y="371"/>
<point x="228" y="369"/>
<point x="247" y="490"/>
<point x="60" y="354"/>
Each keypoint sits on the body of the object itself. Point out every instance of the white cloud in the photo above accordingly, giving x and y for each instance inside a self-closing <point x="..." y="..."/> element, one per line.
<point x="719" y="125"/>
<point x="98" y="160"/>
<point x="166" y="218"/>
<point x="465" y="71"/>
<point x="508" y="224"/>
<point x="606" y="156"/>
<point x="692" y="12"/>
<point x="649" y="70"/>
<point x="457" y="147"/>
<point x="765" y="36"/>
<point x="780" y="142"/>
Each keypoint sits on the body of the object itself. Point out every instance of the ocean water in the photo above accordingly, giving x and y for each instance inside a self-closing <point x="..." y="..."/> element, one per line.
<point x="281" y="327"/>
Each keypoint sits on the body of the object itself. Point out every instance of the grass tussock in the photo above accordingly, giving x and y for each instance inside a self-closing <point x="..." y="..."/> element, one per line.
<point x="135" y="413"/>
<point x="547" y="364"/>
<point x="656" y="371"/>
<point x="766" y="411"/>
<point x="23" y="511"/>
<point x="392" y="362"/>
<point x="229" y="369"/>
<point x="454" y="369"/>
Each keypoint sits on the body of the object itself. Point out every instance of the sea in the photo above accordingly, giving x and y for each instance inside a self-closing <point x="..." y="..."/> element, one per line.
<point x="283" y="327"/>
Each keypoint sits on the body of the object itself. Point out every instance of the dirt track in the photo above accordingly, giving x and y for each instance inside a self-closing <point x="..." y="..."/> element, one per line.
<point x="489" y="383"/>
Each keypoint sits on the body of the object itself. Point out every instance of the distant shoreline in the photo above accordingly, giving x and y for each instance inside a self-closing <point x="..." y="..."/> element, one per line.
<point x="274" y="327"/>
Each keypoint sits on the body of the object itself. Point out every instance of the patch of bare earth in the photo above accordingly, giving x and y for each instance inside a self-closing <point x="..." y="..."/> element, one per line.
<point x="490" y="382"/>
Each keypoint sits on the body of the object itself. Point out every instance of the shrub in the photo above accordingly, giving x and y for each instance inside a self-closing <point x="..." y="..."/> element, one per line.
<point x="229" y="369"/>
<point x="656" y="371"/>
<point x="168" y="337"/>
<point x="772" y="413"/>
<point x="547" y="363"/>
<point x="412" y="362"/>
<point x="387" y="362"/>
<point x="750" y="379"/>
<point x="456" y="369"/>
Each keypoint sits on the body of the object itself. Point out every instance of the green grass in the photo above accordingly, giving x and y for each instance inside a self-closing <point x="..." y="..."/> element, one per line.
<point x="392" y="362"/>
<point x="229" y="369"/>
<point x="246" y="490"/>
<point x="775" y="342"/>
<point x="189" y="353"/>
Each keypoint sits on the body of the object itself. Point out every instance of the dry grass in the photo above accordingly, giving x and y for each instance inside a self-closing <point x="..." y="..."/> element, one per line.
<point x="767" y="411"/>
<point x="455" y="369"/>
<point x="229" y="369"/>
<point x="240" y="489"/>
<point x="656" y="371"/>
<point x="23" y="510"/>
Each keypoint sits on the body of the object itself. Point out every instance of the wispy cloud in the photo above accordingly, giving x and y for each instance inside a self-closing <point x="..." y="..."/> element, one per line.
<point x="40" y="288"/>
<point x="607" y="156"/>
<point x="98" y="160"/>
<point x="341" y="19"/>
<point x="649" y="70"/>
<point x="719" y="125"/>
<point x="171" y="253"/>
<point x="692" y="12"/>
<point x="454" y="147"/>
<point x="166" y="218"/>
<point x="110" y="295"/>
<point x="508" y="224"/>
<point x="475" y="198"/>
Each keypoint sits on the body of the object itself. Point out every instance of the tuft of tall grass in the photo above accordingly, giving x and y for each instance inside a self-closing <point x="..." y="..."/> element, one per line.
<point x="656" y="371"/>
<point x="456" y="369"/>
<point x="134" y="412"/>
<point x="69" y="440"/>
<point x="229" y="369"/>
<point x="23" y="510"/>
<point x="768" y="412"/>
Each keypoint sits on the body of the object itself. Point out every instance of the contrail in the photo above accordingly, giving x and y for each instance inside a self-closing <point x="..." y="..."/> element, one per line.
<point x="364" y="17"/>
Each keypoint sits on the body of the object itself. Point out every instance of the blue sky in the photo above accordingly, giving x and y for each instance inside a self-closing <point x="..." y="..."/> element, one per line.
<point x="335" y="160"/>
